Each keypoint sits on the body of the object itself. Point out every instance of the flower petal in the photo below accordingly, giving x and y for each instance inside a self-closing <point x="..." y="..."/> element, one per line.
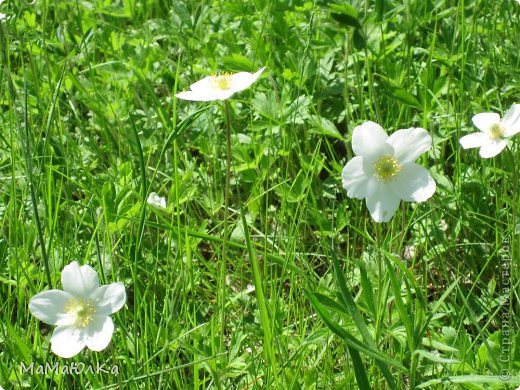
<point x="204" y="95"/>
<point x="156" y="201"/>
<point x="204" y="85"/>
<point x="356" y="180"/>
<point x="49" y="306"/>
<point x="243" y="80"/>
<point x="485" y="120"/>
<point x="67" y="341"/>
<point x="109" y="299"/>
<point x="383" y="203"/>
<point x="79" y="281"/>
<point x="474" y="140"/>
<point x="369" y="140"/>
<point x="492" y="149"/>
<point x="99" y="333"/>
<point x="413" y="184"/>
<point x="409" y="144"/>
<point x="511" y="120"/>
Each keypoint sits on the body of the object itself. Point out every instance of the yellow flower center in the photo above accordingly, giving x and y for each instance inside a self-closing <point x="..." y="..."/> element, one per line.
<point x="387" y="167"/>
<point x="221" y="82"/>
<point x="82" y="310"/>
<point x="496" y="131"/>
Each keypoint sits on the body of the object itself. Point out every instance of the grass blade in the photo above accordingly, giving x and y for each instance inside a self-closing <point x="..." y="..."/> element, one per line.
<point x="358" y="319"/>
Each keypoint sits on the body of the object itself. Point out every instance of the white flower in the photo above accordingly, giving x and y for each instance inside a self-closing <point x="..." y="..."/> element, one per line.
<point x="220" y="87"/>
<point x="81" y="312"/>
<point x="384" y="171"/>
<point x="156" y="201"/>
<point x="493" y="132"/>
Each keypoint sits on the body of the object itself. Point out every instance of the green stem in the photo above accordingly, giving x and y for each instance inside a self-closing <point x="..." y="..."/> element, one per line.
<point x="379" y="282"/>
<point x="257" y="273"/>
<point x="223" y="262"/>
<point x="514" y="203"/>
<point x="262" y="305"/>
<point x="32" y="190"/>
<point x="514" y="245"/>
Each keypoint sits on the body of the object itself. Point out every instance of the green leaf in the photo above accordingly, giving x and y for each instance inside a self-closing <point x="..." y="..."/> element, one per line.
<point x="238" y="62"/>
<point x="471" y="379"/>
<point x="402" y="95"/>
<point x="359" y="368"/>
<point x="360" y="40"/>
<point x="434" y="357"/>
<point x="325" y="127"/>
<point x="331" y="303"/>
<point x="345" y="14"/>
<point x="350" y="340"/>
<point x="401" y="307"/>
<point x="181" y="127"/>
<point x="17" y="342"/>
<point x="368" y="290"/>
<point x="358" y="318"/>
<point x="406" y="97"/>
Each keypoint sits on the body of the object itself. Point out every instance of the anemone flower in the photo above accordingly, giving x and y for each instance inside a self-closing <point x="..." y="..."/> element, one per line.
<point x="220" y="87"/>
<point x="493" y="134"/>
<point x="384" y="169"/>
<point x="81" y="311"/>
<point x="156" y="201"/>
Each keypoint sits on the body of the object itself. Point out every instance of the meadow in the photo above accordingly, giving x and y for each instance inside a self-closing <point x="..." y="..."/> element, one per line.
<point x="251" y="266"/>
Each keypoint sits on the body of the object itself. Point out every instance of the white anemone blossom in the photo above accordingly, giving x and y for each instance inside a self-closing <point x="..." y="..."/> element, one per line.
<point x="384" y="169"/>
<point x="81" y="311"/>
<point x="156" y="201"/>
<point x="493" y="134"/>
<point x="220" y="87"/>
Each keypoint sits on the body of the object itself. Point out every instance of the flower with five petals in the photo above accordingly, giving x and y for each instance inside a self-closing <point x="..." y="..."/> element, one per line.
<point x="384" y="171"/>
<point x="493" y="134"/>
<point x="220" y="87"/>
<point x="81" y="311"/>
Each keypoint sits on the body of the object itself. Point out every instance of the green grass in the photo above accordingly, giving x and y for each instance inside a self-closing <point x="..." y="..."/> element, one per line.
<point x="89" y="126"/>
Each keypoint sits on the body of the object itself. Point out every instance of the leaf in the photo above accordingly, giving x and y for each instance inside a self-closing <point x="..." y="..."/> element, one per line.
<point x="297" y="191"/>
<point x="180" y="128"/>
<point x="401" y="307"/>
<point x="265" y="105"/>
<point x="359" y="368"/>
<point x="402" y="95"/>
<point x="360" y="40"/>
<point x="238" y="62"/>
<point x="368" y="290"/>
<point x="358" y="318"/>
<point x="17" y="343"/>
<point x="434" y="357"/>
<point x="331" y="304"/>
<point x="350" y="340"/>
<point x="406" y="97"/>
<point x="325" y="127"/>
<point x="345" y="14"/>
<point x="475" y="379"/>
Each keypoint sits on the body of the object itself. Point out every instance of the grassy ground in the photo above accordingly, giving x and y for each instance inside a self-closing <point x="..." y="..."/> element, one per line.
<point x="89" y="126"/>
